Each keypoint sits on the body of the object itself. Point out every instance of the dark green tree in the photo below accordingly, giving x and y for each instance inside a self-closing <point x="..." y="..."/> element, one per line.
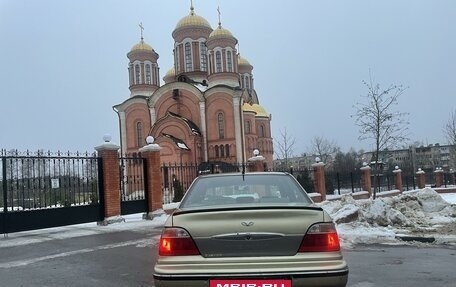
<point x="178" y="190"/>
<point x="306" y="182"/>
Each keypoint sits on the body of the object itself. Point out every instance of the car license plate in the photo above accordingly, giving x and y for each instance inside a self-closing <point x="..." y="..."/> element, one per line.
<point x="250" y="283"/>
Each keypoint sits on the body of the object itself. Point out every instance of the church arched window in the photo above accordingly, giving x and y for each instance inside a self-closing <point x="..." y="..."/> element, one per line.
<point x="137" y="74"/>
<point x="229" y="60"/>
<point x="188" y="57"/>
<point x="261" y="131"/>
<point x="148" y="74"/>
<point x="227" y="150"/>
<point x="218" y="61"/>
<point x="155" y="76"/>
<point x="247" y="82"/>
<point x="221" y="126"/>
<point x="216" y="151"/>
<point x="177" y="61"/>
<point x="203" y="53"/>
<point x="139" y="135"/>
<point x="247" y="127"/>
<point x="222" y="151"/>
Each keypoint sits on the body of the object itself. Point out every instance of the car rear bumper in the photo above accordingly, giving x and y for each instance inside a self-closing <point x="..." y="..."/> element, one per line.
<point x="315" y="278"/>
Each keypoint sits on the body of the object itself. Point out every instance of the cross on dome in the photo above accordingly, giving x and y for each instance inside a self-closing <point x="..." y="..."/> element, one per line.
<point x="192" y="9"/>
<point x="220" y="22"/>
<point x="142" y="30"/>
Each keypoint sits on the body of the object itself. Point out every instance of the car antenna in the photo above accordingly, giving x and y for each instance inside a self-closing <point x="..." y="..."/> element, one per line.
<point x="243" y="171"/>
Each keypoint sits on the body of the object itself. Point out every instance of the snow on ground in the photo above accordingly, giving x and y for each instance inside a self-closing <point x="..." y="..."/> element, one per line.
<point x="133" y="222"/>
<point x="449" y="197"/>
<point x="420" y="213"/>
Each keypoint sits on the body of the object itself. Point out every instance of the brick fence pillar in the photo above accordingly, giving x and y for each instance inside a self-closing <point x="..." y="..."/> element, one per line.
<point x="319" y="179"/>
<point x="151" y="152"/>
<point x="421" y="178"/>
<point x="366" y="181"/>
<point x="452" y="177"/>
<point x="398" y="179"/>
<point x="256" y="163"/>
<point x="108" y="152"/>
<point x="438" y="177"/>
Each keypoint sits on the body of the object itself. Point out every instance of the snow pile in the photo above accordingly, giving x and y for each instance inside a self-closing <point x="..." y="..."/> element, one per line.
<point x="421" y="213"/>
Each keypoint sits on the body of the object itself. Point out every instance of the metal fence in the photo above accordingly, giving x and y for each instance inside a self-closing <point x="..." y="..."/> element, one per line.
<point x="303" y="175"/>
<point x="449" y="179"/>
<point x="43" y="180"/>
<point x="408" y="182"/>
<point x="383" y="182"/>
<point x="177" y="177"/>
<point x="351" y="182"/>
<point x="343" y="182"/>
<point x="132" y="178"/>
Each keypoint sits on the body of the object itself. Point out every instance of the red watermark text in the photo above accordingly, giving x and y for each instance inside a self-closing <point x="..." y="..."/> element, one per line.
<point x="251" y="283"/>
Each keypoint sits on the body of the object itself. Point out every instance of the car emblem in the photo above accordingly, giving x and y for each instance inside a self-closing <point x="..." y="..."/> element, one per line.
<point x="247" y="223"/>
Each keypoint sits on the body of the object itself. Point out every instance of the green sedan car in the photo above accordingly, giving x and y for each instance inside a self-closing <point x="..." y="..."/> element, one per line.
<point x="249" y="230"/>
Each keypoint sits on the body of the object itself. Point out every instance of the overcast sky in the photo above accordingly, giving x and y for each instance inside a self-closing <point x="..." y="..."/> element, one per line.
<point x="63" y="64"/>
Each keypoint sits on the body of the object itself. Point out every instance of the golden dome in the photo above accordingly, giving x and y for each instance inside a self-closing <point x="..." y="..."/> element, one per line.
<point x="142" y="46"/>
<point x="248" y="108"/>
<point x="261" y="112"/>
<point x="243" y="61"/>
<point x="170" y="76"/>
<point x="171" y="73"/>
<point x="192" y="20"/>
<point x="221" y="32"/>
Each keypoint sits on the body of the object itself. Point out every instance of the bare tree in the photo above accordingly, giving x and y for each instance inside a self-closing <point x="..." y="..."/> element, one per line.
<point x="324" y="148"/>
<point x="285" y="145"/>
<point x="450" y="128"/>
<point x="377" y="121"/>
<point x="450" y="134"/>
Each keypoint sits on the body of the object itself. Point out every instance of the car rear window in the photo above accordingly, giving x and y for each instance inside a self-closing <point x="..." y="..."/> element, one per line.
<point x="250" y="189"/>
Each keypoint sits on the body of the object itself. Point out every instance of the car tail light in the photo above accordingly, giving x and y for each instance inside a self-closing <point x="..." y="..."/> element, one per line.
<point x="321" y="237"/>
<point x="176" y="241"/>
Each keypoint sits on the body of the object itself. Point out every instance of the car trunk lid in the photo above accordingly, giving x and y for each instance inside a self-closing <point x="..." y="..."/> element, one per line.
<point x="248" y="232"/>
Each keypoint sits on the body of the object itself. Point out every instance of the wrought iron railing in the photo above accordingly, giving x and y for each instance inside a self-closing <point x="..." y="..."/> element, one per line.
<point x="343" y="182"/>
<point x="38" y="180"/>
<point x="132" y="178"/>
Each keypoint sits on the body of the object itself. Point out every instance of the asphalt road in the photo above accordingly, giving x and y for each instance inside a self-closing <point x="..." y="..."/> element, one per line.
<point x="404" y="266"/>
<point x="123" y="258"/>
<point x="126" y="258"/>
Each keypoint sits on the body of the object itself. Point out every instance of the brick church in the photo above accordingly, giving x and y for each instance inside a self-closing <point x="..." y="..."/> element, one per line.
<point x="206" y="110"/>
